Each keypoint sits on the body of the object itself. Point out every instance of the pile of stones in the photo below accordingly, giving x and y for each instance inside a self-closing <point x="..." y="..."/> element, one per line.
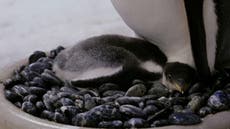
<point x="35" y="89"/>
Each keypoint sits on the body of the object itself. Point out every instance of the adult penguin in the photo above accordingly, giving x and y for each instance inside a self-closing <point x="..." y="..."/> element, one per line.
<point x="209" y="23"/>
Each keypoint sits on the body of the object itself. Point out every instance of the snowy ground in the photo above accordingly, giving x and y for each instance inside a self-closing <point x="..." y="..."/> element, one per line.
<point x="29" y="25"/>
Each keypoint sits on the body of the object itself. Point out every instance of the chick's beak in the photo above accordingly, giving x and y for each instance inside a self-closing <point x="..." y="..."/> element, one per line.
<point x="179" y="88"/>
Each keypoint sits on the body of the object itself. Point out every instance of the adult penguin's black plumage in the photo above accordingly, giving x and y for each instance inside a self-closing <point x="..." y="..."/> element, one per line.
<point x="209" y="26"/>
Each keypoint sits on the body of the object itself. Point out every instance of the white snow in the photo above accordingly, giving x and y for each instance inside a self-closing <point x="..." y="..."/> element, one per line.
<point x="29" y="25"/>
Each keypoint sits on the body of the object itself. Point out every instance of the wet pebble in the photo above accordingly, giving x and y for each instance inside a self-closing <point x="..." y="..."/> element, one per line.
<point x="180" y="118"/>
<point x="150" y="109"/>
<point x="205" y="111"/>
<point x="29" y="108"/>
<point x="113" y="92"/>
<point x="60" y="118"/>
<point x="11" y="96"/>
<point x="129" y="100"/>
<point x="136" y="123"/>
<point x="90" y="103"/>
<point x="111" y="98"/>
<point x="36" y="55"/>
<point x="38" y="67"/>
<point x="63" y="102"/>
<point x="132" y="111"/>
<point x="49" y="78"/>
<point x="31" y="98"/>
<point x="20" y="90"/>
<point x="18" y="104"/>
<point x="40" y="105"/>
<point x="107" y="86"/>
<point x="158" y="89"/>
<point x="47" y="115"/>
<point x="137" y="90"/>
<point x="195" y="103"/>
<point x="70" y="111"/>
<point x="159" y="123"/>
<point x="37" y="91"/>
<point x="111" y="124"/>
<point x="218" y="101"/>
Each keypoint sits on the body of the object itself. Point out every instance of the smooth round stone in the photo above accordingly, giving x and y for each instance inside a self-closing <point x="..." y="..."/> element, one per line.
<point x="47" y="115"/>
<point x="60" y="118"/>
<point x="70" y="111"/>
<point x="205" y="111"/>
<point x="195" y="103"/>
<point x="111" y="98"/>
<point x="20" y="90"/>
<point x="158" y="89"/>
<point x="11" y="96"/>
<point x="110" y="124"/>
<point x="90" y="103"/>
<point x="31" y="98"/>
<point x="129" y="100"/>
<point x="40" y="105"/>
<point x="113" y="92"/>
<point x="18" y="104"/>
<point x="150" y="110"/>
<point x="159" y="123"/>
<point x="64" y="102"/>
<point x="38" y="67"/>
<point x="29" y="108"/>
<point x="79" y="103"/>
<point x="36" y="55"/>
<point x="218" y="101"/>
<point x="108" y="86"/>
<point x="132" y="111"/>
<point x="37" y="91"/>
<point x="136" y="123"/>
<point x="180" y="118"/>
<point x="49" y="78"/>
<point x="69" y="89"/>
<point x="137" y="90"/>
<point x="162" y="114"/>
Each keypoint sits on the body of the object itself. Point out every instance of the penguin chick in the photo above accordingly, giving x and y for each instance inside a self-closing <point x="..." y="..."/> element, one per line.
<point x="178" y="76"/>
<point x="113" y="58"/>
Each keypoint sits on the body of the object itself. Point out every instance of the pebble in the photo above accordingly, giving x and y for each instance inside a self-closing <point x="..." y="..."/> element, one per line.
<point x="38" y="67"/>
<point x="36" y="55"/>
<point x="18" y="104"/>
<point x="113" y="92"/>
<point x="60" y="118"/>
<point x="159" y="123"/>
<point x="158" y="89"/>
<point x="195" y="103"/>
<point x="137" y="90"/>
<point x="11" y="96"/>
<point x="40" y="105"/>
<point x="136" y="123"/>
<point x="132" y="111"/>
<point x="111" y="124"/>
<point x="31" y="98"/>
<point x="79" y="103"/>
<point x="205" y="111"/>
<point x="20" y="90"/>
<point x="150" y="109"/>
<point x="49" y="78"/>
<point x="111" y="98"/>
<point x="90" y="103"/>
<point x="70" y="111"/>
<point x="107" y="86"/>
<point x="47" y="115"/>
<point x="218" y="101"/>
<point x="180" y="118"/>
<point x="129" y="100"/>
<point x="37" y="91"/>
<point x="161" y="114"/>
<point x="178" y="108"/>
<point x="29" y="108"/>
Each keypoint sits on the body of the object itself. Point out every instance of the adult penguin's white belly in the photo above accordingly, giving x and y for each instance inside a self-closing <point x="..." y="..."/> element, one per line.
<point x="161" y="21"/>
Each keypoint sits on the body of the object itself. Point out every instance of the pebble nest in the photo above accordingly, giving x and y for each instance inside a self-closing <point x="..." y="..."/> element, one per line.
<point x="35" y="89"/>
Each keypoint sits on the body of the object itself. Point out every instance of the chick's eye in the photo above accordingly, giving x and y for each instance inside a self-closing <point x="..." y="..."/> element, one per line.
<point x="169" y="76"/>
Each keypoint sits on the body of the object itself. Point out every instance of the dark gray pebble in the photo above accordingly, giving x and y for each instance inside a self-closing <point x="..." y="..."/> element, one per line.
<point x="63" y="102"/>
<point x="107" y="86"/>
<point x="205" y="111"/>
<point x="132" y="111"/>
<point x="29" y="75"/>
<point x="69" y="90"/>
<point x="137" y="90"/>
<point x="38" y="67"/>
<point x="180" y="118"/>
<point x="70" y="111"/>
<point x="195" y="103"/>
<point x="9" y="83"/>
<point x="29" y="108"/>
<point x="37" y="81"/>
<point x="162" y="114"/>
<point x="129" y="100"/>
<point x="79" y="103"/>
<point x="92" y="117"/>
<point x="47" y="115"/>
<point x="90" y="103"/>
<point x="36" y="55"/>
<point x="37" y="91"/>
<point x="157" y="103"/>
<point x="150" y="110"/>
<point x="111" y="98"/>
<point x="218" y="101"/>
<point x="158" y="89"/>
<point x="11" y="96"/>
<point x="50" y="78"/>
<point x="18" y="104"/>
<point x="159" y="123"/>
<point x="60" y="118"/>
<point x="20" y="90"/>
<point x="113" y="92"/>
<point x="40" y="105"/>
<point x="111" y="124"/>
<point x="31" y="98"/>
<point x="136" y="123"/>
